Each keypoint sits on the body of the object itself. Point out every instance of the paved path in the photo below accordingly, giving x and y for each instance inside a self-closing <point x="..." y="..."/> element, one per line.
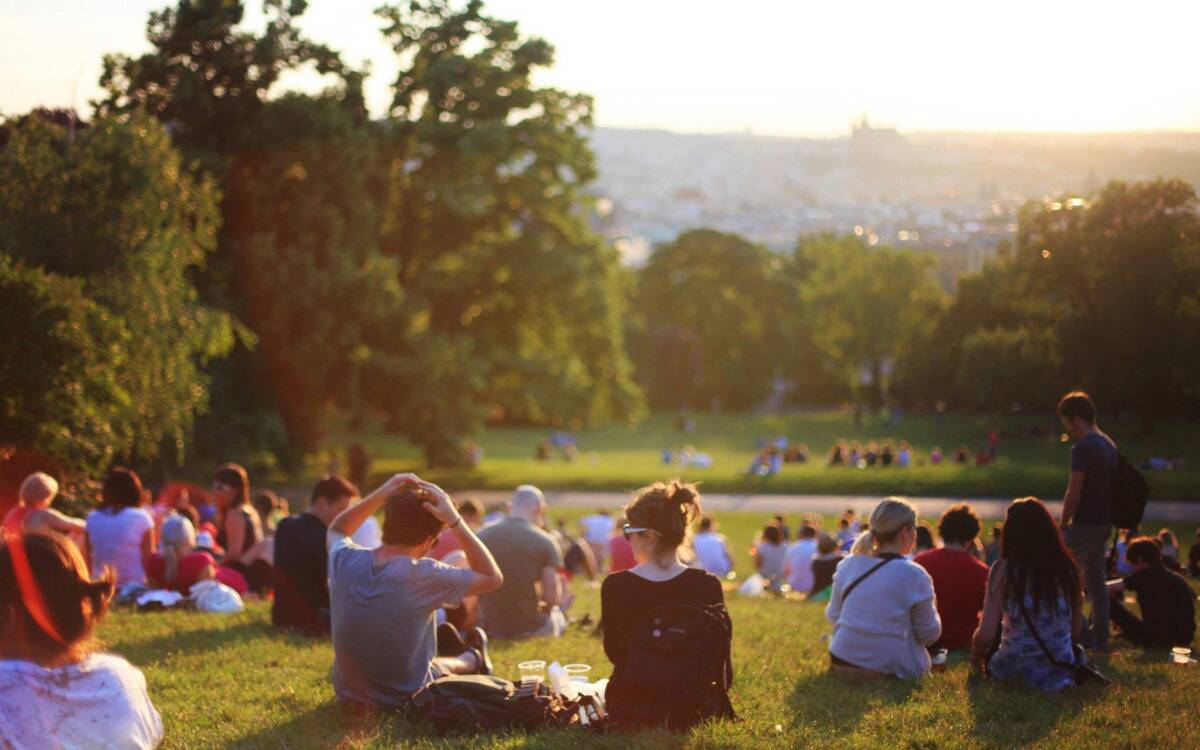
<point x="928" y="507"/>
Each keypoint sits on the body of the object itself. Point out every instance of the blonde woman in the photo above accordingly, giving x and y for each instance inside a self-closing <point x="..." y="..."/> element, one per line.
<point x="882" y="607"/>
<point x="178" y="565"/>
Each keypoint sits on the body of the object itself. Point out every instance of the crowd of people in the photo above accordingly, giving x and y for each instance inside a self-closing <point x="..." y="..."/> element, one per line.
<point x="445" y="579"/>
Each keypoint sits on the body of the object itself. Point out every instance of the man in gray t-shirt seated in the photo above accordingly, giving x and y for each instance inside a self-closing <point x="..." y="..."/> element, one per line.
<point x="383" y="601"/>
<point x="533" y="599"/>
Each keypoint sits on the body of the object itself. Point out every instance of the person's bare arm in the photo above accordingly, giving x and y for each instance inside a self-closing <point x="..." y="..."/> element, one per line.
<point x="487" y="573"/>
<point x="235" y="534"/>
<point x="52" y="519"/>
<point x="551" y="593"/>
<point x="348" y="521"/>
<point x="1071" y="497"/>
<point x="989" y="623"/>
<point x="148" y="545"/>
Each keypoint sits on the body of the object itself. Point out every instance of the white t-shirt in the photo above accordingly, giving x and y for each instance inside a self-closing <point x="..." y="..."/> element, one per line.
<point x="369" y="535"/>
<point x="711" y="554"/>
<point x="798" y="563"/>
<point x="101" y="702"/>
<point x="597" y="528"/>
<point x="116" y="540"/>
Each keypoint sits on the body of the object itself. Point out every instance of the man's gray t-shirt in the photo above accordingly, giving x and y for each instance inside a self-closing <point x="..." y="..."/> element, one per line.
<point x="1096" y="456"/>
<point x="384" y="630"/>
<point x="522" y="552"/>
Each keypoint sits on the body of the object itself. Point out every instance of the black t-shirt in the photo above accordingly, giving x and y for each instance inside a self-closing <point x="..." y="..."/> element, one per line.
<point x="823" y="570"/>
<point x="626" y="598"/>
<point x="1167" y="604"/>
<point x="301" y="577"/>
<point x="1096" y="456"/>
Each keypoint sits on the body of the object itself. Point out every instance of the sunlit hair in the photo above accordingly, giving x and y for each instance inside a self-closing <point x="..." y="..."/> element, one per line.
<point x="669" y="508"/>
<point x="37" y="489"/>
<point x="1077" y="404"/>
<point x="178" y="540"/>
<point x="233" y="475"/>
<point x="889" y="518"/>
<point x="74" y="601"/>
<point x="959" y="524"/>
<point x="405" y="521"/>
<point x="1037" y="562"/>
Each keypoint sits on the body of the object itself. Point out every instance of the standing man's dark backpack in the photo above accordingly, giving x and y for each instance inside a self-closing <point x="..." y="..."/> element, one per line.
<point x="1129" y="493"/>
<point x="680" y="668"/>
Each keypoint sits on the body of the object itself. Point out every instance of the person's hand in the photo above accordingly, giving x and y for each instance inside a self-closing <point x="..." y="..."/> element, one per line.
<point x="399" y="481"/>
<point x="441" y="508"/>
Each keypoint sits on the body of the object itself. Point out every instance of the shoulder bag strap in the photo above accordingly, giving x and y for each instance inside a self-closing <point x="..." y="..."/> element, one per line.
<point x="1041" y="644"/>
<point x="864" y="577"/>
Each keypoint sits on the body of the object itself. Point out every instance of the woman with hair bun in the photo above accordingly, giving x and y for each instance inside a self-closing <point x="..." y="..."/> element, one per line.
<point x="55" y="689"/>
<point x="882" y="606"/>
<point x="658" y="521"/>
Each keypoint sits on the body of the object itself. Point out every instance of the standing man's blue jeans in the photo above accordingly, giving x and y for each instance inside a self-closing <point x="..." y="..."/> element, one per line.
<point x="1090" y="546"/>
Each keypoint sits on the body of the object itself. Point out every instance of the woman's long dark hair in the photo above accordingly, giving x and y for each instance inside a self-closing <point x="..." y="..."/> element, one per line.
<point x="122" y="489"/>
<point x="235" y="476"/>
<point x="1037" y="561"/>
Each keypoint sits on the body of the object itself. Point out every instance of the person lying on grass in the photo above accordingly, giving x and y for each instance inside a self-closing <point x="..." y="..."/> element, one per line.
<point x="383" y="601"/>
<point x="55" y="689"/>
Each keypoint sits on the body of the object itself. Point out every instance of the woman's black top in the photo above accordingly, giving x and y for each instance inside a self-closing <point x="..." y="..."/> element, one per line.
<point x="626" y="598"/>
<point x="251" y="536"/>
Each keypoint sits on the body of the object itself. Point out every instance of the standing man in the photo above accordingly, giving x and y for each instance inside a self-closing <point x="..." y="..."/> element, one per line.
<point x="1087" y="506"/>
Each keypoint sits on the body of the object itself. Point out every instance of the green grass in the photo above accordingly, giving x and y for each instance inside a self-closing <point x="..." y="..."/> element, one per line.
<point x="232" y="681"/>
<point x="616" y="458"/>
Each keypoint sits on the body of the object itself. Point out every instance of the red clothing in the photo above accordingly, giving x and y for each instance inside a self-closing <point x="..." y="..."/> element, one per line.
<point x="14" y="520"/>
<point x="190" y="570"/>
<point x="959" y="583"/>
<point x="620" y="554"/>
<point x="447" y="542"/>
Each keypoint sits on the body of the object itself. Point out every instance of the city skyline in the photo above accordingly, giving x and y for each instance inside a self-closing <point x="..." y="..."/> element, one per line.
<point x="772" y="68"/>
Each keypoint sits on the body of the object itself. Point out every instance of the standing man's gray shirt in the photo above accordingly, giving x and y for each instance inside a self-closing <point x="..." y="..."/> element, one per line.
<point x="383" y="617"/>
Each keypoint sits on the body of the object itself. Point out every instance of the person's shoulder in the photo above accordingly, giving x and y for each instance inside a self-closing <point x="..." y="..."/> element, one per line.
<point x="117" y="666"/>
<point x="929" y="556"/>
<point x="615" y="582"/>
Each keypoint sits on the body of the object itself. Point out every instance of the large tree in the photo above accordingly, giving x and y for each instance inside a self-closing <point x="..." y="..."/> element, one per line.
<point x="709" y="321"/>
<point x="101" y="230"/>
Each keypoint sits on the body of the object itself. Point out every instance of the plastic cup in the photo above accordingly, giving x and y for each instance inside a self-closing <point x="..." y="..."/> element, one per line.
<point x="578" y="672"/>
<point x="531" y="670"/>
<point x="1181" y="655"/>
<point x="939" y="660"/>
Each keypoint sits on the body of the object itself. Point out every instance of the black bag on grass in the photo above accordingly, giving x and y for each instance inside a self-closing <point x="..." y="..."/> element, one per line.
<point x="485" y="703"/>
<point x="680" y="668"/>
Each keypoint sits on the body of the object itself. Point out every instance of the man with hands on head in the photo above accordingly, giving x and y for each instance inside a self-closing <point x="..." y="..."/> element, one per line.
<point x="383" y="601"/>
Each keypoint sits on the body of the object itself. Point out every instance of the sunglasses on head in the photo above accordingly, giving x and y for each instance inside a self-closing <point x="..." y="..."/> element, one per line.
<point x="629" y="531"/>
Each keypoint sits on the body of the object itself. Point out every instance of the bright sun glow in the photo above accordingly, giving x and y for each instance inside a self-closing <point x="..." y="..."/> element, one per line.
<point x="774" y="66"/>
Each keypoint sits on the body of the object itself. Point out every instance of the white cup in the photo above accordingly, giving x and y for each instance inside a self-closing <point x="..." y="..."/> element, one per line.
<point x="1181" y="655"/>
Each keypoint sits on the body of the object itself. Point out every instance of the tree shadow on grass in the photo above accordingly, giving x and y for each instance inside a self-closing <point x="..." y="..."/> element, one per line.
<point x="1011" y="714"/>
<point x="191" y="642"/>
<point x="835" y="703"/>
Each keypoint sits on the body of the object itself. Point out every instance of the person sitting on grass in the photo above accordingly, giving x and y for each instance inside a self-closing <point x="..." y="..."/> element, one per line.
<point x="1164" y="597"/>
<point x="177" y="565"/>
<point x="383" y="601"/>
<point x="239" y="531"/>
<point x="712" y="548"/>
<point x="56" y="690"/>
<point x="882" y="605"/>
<point x="120" y="532"/>
<point x="1169" y="545"/>
<point x="798" y="561"/>
<point x="300" y="574"/>
<point x="768" y="553"/>
<point x="1194" y="557"/>
<point x="1034" y="591"/>
<point x="824" y="565"/>
<point x="959" y="578"/>
<point x="33" y="514"/>
<point x="534" y="597"/>
<point x="924" y="540"/>
<point x="658" y="517"/>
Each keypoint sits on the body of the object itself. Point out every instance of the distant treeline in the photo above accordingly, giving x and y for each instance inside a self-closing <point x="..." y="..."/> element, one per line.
<point x="203" y="269"/>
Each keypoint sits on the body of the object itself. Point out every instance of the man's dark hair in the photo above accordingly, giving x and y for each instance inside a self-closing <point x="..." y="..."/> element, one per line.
<point x="469" y="507"/>
<point x="959" y="525"/>
<point x="706" y="523"/>
<point x="405" y="520"/>
<point x="1077" y="404"/>
<point x="1144" y="549"/>
<point x="332" y="488"/>
<point x="808" y="532"/>
<point x="771" y="535"/>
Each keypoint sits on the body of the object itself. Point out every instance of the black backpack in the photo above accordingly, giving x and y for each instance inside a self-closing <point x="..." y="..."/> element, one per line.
<point x="679" y="669"/>
<point x="479" y="703"/>
<point x="1129" y="492"/>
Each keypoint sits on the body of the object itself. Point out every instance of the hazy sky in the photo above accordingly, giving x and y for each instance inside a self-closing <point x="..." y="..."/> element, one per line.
<point x="789" y="67"/>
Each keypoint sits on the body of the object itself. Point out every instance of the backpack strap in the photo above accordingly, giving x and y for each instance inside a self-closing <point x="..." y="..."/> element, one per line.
<point x="864" y="577"/>
<point x="1041" y="644"/>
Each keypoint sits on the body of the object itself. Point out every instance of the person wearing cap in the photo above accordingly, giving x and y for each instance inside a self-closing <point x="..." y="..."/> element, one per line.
<point x="531" y="601"/>
<point x="55" y="689"/>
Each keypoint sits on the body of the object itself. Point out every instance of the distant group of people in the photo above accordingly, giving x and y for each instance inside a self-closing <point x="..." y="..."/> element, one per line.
<point x="443" y="579"/>
<point x="871" y="455"/>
